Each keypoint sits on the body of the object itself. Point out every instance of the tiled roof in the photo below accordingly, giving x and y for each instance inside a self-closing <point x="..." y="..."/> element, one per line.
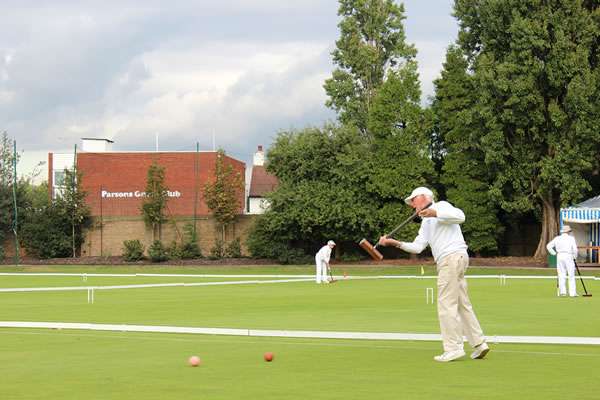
<point x="262" y="182"/>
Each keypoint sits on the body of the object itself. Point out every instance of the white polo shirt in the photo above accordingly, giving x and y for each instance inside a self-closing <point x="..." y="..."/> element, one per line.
<point x="441" y="233"/>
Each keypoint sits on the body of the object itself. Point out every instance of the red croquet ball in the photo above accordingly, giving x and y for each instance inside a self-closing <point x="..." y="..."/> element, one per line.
<point x="268" y="356"/>
<point x="194" y="361"/>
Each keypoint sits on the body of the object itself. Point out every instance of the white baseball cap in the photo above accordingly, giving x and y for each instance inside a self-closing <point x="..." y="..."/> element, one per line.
<point x="331" y="242"/>
<point x="416" y="192"/>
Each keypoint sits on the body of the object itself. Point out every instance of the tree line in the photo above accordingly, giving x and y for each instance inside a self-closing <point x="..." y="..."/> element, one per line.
<point x="46" y="228"/>
<point x="510" y="134"/>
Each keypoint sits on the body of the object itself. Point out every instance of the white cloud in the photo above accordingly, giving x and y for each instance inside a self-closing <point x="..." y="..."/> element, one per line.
<point x="257" y="83"/>
<point x="126" y="70"/>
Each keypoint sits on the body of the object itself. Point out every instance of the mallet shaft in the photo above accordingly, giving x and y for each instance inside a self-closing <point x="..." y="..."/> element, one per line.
<point x="407" y="221"/>
<point x="582" y="284"/>
<point x="372" y="250"/>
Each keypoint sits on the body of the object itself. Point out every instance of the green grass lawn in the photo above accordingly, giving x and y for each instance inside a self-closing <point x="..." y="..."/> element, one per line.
<point x="81" y="364"/>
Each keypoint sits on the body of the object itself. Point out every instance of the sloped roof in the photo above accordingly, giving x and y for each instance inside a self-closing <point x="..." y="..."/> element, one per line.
<point x="594" y="202"/>
<point x="261" y="182"/>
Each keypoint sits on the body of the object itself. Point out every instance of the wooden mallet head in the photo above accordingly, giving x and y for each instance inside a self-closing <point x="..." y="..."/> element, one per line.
<point x="369" y="248"/>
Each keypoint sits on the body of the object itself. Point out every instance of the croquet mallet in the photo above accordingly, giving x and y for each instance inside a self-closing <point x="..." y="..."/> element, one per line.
<point x="331" y="275"/>
<point x="582" y="284"/>
<point x="372" y="250"/>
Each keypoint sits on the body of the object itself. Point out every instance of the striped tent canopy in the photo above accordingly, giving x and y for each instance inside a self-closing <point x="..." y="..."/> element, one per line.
<point x="584" y="220"/>
<point x="586" y="212"/>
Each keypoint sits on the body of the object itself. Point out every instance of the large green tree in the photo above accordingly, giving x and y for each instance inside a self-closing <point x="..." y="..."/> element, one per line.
<point x="463" y="173"/>
<point x="401" y="153"/>
<point x="322" y="190"/>
<point x="372" y="41"/>
<point x="376" y="89"/>
<point x="535" y="67"/>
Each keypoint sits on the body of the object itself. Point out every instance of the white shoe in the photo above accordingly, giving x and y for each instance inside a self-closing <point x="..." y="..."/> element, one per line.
<point x="480" y="351"/>
<point x="450" y="355"/>
<point x="575" y="295"/>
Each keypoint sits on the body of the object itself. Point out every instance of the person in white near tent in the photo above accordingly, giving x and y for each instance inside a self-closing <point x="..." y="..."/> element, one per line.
<point x="564" y="248"/>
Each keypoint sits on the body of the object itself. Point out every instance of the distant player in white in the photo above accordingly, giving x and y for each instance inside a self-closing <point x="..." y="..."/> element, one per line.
<point x="322" y="261"/>
<point x="564" y="248"/>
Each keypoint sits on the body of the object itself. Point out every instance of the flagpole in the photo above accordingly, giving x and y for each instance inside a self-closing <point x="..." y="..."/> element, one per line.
<point x="15" y="201"/>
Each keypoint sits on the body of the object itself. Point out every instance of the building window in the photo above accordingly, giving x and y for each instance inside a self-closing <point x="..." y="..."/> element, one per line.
<point x="59" y="178"/>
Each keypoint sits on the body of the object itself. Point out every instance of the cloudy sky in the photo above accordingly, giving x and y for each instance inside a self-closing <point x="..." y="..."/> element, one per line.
<point x="184" y="71"/>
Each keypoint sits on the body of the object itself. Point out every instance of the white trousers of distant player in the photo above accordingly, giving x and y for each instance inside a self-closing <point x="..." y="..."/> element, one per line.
<point x="321" y="270"/>
<point x="565" y="266"/>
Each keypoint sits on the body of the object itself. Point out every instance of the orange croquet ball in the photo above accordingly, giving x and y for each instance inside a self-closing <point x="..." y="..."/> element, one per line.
<point x="194" y="361"/>
<point x="268" y="356"/>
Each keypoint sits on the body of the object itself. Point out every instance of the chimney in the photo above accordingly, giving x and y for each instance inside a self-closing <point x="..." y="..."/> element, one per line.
<point x="259" y="157"/>
<point x="96" y="145"/>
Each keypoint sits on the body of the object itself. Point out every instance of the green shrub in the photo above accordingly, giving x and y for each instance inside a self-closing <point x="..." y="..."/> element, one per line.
<point x="190" y="251"/>
<point x="262" y="243"/>
<point x="2" y="252"/>
<point x="217" y="252"/>
<point x="133" y="250"/>
<point x="234" y="250"/>
<point x="158" y="252"/>
<point x="260" y="239"/>
<point x="174" y="250"/>
<point x="352" y="257"/>
<point x="285" y="254"/>
<point x="47" y="233"/>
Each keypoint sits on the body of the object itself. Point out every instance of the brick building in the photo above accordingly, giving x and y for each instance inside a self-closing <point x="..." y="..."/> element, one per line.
<point x="116" y="181"/>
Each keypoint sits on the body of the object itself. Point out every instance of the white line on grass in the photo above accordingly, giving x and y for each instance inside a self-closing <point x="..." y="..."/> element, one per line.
<point x="271" y="275"/>
<point x="292" y="334"/>
<point x="82" y="274"/>
<point x="328" y="344"/>
<point x="149" y="285"/>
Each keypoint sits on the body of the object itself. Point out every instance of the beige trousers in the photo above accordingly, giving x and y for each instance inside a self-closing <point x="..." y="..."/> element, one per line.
<point x="454" y="307"/>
